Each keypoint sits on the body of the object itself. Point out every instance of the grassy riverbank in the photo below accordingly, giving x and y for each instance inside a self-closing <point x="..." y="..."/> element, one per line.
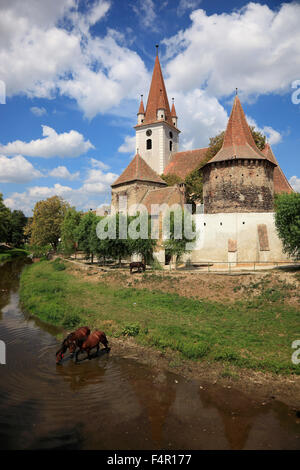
<point x="253" y="332"/>
<point x="7" y="254"/>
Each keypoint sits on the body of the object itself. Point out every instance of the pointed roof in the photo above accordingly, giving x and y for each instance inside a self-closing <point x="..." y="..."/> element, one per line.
<point x="182" y="163"/>
<point x="138" y="170"/>
<point x="157" y="96"/>
<point x="281" y="184"/>
<point x="238" y="140"/>
<point x="141" y="108"/>
<point x="173" y="110"/>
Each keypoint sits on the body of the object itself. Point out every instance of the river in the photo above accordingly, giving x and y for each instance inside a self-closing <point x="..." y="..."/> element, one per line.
<point x="113" y="402"/>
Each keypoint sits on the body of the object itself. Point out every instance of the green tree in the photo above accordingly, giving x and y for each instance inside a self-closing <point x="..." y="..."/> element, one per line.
<point x="142" y="246"/>
<point x="16" y="232"/>
<point x="5" y="221"/>
<point x="48" y="216"/>
<point x="69" y="231"/>
<point x="177" y="242"/>
<point x="171" y="179"/>
<point x="287" y="221"/>
<point x="85" y="234"/>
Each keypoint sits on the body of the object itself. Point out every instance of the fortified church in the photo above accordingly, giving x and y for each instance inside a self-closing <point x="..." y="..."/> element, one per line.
<point x="236" y="222"/>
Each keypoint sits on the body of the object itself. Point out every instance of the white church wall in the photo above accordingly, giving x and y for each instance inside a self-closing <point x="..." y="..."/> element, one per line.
<point x="215" y="231"/>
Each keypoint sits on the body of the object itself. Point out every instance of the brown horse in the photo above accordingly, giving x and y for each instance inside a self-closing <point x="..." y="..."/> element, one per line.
<point x="93" y="341"/>
<point x="137" y="264"/>
<point x="72" y="341"/>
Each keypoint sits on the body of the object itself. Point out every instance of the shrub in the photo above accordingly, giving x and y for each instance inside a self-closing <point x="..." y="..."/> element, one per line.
<point x="131" y="330"/>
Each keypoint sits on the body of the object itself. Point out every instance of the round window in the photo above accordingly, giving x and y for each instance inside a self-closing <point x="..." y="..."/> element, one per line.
<point x="148" y="132"/>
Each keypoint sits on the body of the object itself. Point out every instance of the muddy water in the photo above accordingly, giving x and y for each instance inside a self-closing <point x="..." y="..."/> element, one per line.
<point x="115" y="403"/>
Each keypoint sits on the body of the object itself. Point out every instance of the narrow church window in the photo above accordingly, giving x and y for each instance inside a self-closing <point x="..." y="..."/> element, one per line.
<point x="171" y="145"/>
<point x="149" y="144"/>
<point x="171" y="134"/>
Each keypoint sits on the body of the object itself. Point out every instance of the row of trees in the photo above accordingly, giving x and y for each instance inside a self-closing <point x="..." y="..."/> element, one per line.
<point x="12" y="224"/>
<point x="57" y="225"/>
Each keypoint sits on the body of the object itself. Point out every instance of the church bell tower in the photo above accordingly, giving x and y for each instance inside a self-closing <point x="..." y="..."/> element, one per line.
<point x="157" y="135"/>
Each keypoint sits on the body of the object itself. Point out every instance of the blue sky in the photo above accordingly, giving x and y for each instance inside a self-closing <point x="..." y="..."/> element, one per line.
<point x="74" y="70"/>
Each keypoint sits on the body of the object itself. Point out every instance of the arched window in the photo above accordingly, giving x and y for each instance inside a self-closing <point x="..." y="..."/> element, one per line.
<point x="171" y="145"/>
<point x="149" y="144"/>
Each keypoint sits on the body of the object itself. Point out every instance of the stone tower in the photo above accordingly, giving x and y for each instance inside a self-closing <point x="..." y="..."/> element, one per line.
<point x="157" y="135"/>
<point x="239" y="178"/>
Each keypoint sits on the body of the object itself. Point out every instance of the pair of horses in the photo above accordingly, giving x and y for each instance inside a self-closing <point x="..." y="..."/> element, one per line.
<point x="83" y="339"/>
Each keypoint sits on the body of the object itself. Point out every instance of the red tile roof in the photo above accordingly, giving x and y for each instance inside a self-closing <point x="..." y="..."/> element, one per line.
<point x="281" y="184"/>
<point x="138" y="170"/>
<point x="173" y="110"/>
<point x="238" y="140"/>
<point x="182" y="163"/>
<point x="157" y="96"/>
<point x="141" y="108"/>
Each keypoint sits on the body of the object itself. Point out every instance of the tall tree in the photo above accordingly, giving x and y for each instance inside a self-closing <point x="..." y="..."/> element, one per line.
<point x="16" y="232"/>
<point x="48" y="216"/>
<point x="69" y="231"/>
<point x="85" y="235"/>
<point x="287" y="222"/>
<point x="5" y="221"/>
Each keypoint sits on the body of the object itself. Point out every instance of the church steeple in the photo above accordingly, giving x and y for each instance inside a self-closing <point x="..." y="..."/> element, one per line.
<point x="157" y="135"/>
<point x="157" y="98"/>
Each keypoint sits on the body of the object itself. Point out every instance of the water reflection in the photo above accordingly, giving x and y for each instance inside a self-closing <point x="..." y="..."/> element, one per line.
<point x="112" y="402"/>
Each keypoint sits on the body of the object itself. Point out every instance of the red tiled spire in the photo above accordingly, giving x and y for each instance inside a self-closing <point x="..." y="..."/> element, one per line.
<point x="238" y="131"/>
<point x="238" y="140"/>
<point x="157" y="96"/>
<point x="281" y="184"/>
<point x="141" y="108"/>
<point x="173" y="110"/>
<point x="138" y="170"/>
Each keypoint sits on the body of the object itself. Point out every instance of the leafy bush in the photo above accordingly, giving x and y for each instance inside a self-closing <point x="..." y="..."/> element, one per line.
<point x="131" y="330"/>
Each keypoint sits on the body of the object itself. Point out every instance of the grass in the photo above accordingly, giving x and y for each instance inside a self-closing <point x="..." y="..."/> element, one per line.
<point x="255" y="333"/>
<point x="7" y="254"/>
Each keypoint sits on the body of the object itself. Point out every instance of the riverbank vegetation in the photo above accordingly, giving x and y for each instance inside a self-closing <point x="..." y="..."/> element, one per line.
<point x="7" y="254"/>
<point x="253" y="332"/>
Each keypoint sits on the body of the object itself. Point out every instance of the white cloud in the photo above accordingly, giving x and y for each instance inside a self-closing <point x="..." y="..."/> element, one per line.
<point x="94" y="191"/>
<point x="273" y="136"/>
<point x="97" y="181"/>
<point x="128" y="145"/>
<point x="96" y="72"/>
<point x="201" y="116"/>
<point x="67" y="144"/>
<point x="38" y="111"/>
<point x="255" y="49"/>
<point x="63" y="173"/>
<point x="186" y="5"/>
<point x="295" y="183"/>
<point x="145" y="11"/>
<point x="98" y="164"/>
<point x="17" y="170"/>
